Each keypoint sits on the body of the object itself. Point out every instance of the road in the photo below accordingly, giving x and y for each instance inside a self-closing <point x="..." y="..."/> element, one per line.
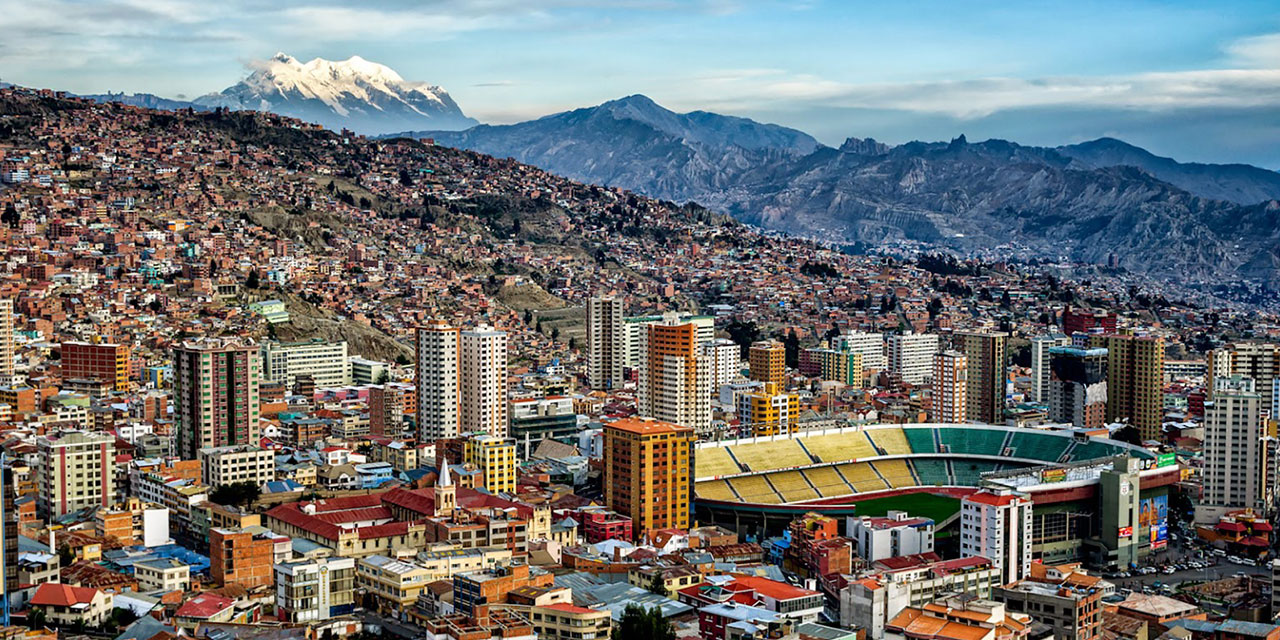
<point x="391" y="626"/>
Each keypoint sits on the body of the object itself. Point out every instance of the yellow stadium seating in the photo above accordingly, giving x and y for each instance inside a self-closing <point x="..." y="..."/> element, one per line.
<point x="892" y="440"/>
<point x="896" y="473"/>
<point x="763" y="456"/>
<point x="755" y="489"/>
<point x="839" y="447"/>
<point x="828" y="482"/>
<point x="715" y="490"/>
<point x="861" y="476"/>
<point x="792" y="486"/>
<point x="713" y="461"/>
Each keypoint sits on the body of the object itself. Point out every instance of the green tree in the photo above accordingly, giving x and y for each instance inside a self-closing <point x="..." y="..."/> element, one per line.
<point x="252" y="281"/>
<point x="384" y="377"/>
<point x="656" y="584"/>
<point x="638" y="623"/>
<point x="237" y="493"/>
<point x="792" y="345"/>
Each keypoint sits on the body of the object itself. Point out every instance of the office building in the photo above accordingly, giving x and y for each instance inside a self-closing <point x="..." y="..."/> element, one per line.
<point x="1078" y="386"/>
<point x="948" y="387"/>
<point x="439" y="381"/>
<point x="1259" y="361"/>
<point x="996" y="524"/>
<point x="7" y="346"/>
<point x="365" y="371"/>
<point x="894" y="535"/>
<point x="911" y="356"/>
<point x="105" y="363"/>
<point x="495" y="457"/>
<point x="1040" y="346"/>
<point x="536" y="419"/>
<point x="9" y="561"/>
<point x="315" y="590"/>
<point x="988" y="361"/>
<point x="648" y="473"/>
<point x="483" y="375"/>
<point x="1235" y="453"/>
<point x="215" y="394"/>
<point x="768" y="411"/>
<point x="327" y="363"/>
<point x="74" y="470"/>
<point x="869" y="345"/>
<point x="238" y="463"/>
<point x="605" y="341"/>
<point x="675" y="377"/>
<point x="1135" y="380"/>
<point x="768" y="361"/>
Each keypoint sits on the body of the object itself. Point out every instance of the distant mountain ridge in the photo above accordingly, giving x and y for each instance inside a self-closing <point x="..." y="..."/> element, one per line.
<point x="1093" y="202"/>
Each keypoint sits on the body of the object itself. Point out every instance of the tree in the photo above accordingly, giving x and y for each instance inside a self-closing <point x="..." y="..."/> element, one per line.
<point x="657" y="585"/>
<point x="555" y="333"/>
<point x="792" y="345"/>
<point x="236" y="493"/>
<point x="638" y="623"/>
<point x="252" y="281"/>
<point x="66" y="556"/>
<point x="384" y="377"/>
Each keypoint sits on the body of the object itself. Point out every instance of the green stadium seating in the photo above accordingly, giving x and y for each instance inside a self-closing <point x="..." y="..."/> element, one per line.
<point x="1039" y="446"/>
<point x="921" y="439"/>
<point x="931" y="471"/>
<point x="985" y="442"/>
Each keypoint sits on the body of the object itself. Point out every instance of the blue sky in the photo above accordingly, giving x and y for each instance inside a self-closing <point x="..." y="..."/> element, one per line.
<point x="1198" y="81"/>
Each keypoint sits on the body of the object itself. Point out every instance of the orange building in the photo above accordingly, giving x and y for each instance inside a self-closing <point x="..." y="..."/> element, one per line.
<point x="648" y="474"/>
<point x="239" y="557"/>
<point x="768" y="361"/>
<point x="668" y="387"/>
<point x="108" y="363"/>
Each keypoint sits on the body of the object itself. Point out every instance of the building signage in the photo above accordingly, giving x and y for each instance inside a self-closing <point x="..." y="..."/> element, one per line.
<point x="1167" y="460"/>
<point x="1053" y="475"/>
<point x="1126" y="532"/>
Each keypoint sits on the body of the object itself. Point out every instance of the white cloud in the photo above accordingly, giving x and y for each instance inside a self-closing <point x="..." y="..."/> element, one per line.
<point x="1257" y="51"/>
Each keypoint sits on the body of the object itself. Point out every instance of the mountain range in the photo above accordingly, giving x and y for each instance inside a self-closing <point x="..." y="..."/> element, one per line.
<point x="1096" y="201"/>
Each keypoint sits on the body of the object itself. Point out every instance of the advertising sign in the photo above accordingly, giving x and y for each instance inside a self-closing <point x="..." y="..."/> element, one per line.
<point x="1167" y="460"/>
<point x="1053" y="475"/>
<point x="1125" y="532"/>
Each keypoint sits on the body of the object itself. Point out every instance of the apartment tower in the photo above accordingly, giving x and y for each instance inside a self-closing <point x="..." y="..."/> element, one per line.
<point x="950" y="380"/>
<point x="1078" y="386"/>
<point x="768" y="361"/>
<point x="439" y="381"/>
<point x="215" y="393"/>
<point x="1135" y="380"/>
<point x="675" y="376"/>
<point x="911" y="356"/>
<point x="648" y="473"/>
<point x="483" y="393"/>
<point x="1040" y="346"/>
<point x="604" y="341"/>
<point x="988" y="365"/>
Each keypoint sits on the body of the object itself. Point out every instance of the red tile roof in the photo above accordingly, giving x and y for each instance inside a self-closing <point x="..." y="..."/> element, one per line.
<point x="62" y="595"/>
<point x="205" y="605"/>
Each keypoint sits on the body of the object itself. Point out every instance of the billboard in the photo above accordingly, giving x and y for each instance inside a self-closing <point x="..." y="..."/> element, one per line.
<point x="1167" y="460"/>
<point x="1053" y="475"/>
<point x="1153" y="515"/>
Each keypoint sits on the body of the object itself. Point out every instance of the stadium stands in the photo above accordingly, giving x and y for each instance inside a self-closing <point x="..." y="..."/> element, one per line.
<point x="861" y="476"/>
<point x="715" y="490"/>
<point x="755" y="489"/>
<point x="921" y="439"/>
<point x="892" y="441"/>
<point x="792" y="486"/>
<point x="1039" y="446"/>
<point x="1093" y="450"/>
<point x="931" y="471"/>
<point x="985" y="442"/>
<point x="778" y="454"/>
<point x="896" y="473"/>
<point x="714" y="461"/>
<point x="968" y="473"/>
<point x="839" y="447"/>
<point x="828" y="482"/>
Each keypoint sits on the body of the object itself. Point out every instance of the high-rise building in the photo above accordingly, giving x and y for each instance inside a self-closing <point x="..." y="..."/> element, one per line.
<point x="215" y="394"/>
<point x="1078" y="386"/>
<point x="870" y="345"/>
<point x="439" y="381"/>
<point x="768" y="411"/>
<point x="950" y="381"/>
<point x="605" y="363"/>
<point x="1135" y="380"/>
<point x="768" y="361"/>
<point x="1257" y="360"/>
<point x="648" y="473"/>
<point x="483" y="389"/>
<point x="844" y="367"/>
<point x="1235" y="453"/>
<point x="996" y="524"/>
<point x="9" y="544"/>
<point x="911" y="356"/>
<point x="988" y="361"/>
<point x="74" y="470"/>
<point x="7" y="369"/>
<point x="1040" y="346"/>
<point x="634" y="328"/>
<point x="326" y="362"/>
<point x="496" y="458"/>
<point x="675" y="377"/>
<point x="726" y="362"/>
<point x="107" y="363"/>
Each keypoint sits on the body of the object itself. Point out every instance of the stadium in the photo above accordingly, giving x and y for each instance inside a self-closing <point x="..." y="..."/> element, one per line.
<point x="758" y="485"/>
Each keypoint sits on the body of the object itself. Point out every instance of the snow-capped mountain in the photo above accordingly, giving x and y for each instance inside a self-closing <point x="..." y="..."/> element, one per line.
<point x="363" y="96"/>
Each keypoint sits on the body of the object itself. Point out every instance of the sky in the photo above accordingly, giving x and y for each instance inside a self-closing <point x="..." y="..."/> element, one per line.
<point x="1198" y="81"/>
